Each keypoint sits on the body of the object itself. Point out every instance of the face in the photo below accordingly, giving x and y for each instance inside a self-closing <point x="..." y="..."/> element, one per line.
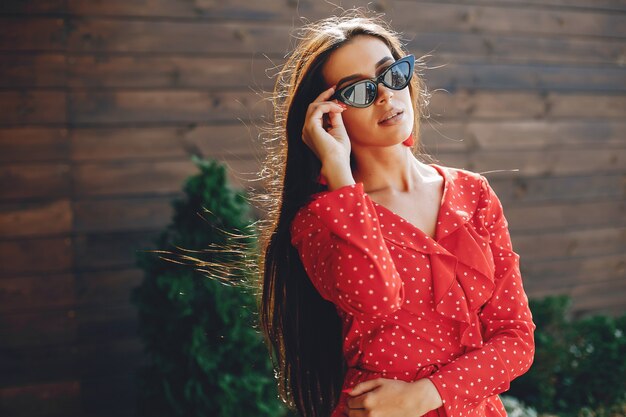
<point x="366" y="57"/>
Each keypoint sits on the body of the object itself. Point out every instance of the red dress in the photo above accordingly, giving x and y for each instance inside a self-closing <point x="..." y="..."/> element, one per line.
<point x="451" y="309"/>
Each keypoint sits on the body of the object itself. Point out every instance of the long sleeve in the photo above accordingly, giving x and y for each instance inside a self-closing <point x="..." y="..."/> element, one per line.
<point x="341" y="246"/>
<point x="506" y="321"/>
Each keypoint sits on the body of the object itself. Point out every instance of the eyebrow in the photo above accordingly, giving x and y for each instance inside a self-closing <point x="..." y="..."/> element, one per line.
<point x="355" y="76"/>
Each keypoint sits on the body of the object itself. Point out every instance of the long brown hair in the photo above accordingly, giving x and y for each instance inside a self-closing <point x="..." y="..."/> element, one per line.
<point x="302" y="330"/>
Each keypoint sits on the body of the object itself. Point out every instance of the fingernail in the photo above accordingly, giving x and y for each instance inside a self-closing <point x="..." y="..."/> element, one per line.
<point x="347" y="390"/>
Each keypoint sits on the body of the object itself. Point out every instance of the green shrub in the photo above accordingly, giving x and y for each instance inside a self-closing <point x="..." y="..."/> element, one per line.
<point x="579" y="366"/>
<point x="204" y="355"/>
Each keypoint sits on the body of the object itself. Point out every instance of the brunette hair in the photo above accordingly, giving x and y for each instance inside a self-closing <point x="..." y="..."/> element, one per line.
<point x="302" y="330"/>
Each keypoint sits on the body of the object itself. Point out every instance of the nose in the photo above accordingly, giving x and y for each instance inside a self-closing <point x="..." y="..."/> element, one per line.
<point x="384" y="92"/>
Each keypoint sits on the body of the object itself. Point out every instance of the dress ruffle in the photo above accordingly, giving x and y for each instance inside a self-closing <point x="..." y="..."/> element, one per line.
<point x="460" y="257"/>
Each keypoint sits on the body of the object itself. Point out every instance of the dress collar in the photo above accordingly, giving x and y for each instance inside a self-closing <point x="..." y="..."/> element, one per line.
<point x="451" y="217"/>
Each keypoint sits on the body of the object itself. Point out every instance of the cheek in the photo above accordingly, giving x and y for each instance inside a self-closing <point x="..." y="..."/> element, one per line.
<point x="356" y="121"/>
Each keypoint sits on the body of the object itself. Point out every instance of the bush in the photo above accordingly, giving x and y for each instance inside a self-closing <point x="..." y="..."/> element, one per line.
<point x="579" y="366"/>
<point x="204" y="354"/>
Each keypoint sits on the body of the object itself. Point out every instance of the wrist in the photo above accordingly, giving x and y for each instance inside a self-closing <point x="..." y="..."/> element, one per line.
<point x="428" y="393"/>
<point x="337" y="174"/>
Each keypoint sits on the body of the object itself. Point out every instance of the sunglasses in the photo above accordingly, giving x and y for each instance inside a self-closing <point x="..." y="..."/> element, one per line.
<point x="363" y="93"/>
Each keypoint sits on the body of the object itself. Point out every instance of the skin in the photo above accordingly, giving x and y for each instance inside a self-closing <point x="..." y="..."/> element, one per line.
<point x="391" y="176"/>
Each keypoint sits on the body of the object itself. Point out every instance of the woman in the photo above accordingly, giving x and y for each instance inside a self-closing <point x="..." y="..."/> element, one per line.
<point x="390" y="285"/>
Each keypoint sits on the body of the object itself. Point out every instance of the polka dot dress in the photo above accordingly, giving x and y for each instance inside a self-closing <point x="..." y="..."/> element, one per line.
<point x="451" y="309"/>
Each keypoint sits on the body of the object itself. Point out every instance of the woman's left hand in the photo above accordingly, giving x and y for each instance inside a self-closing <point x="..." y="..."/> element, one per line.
<point x="393" y="398"/>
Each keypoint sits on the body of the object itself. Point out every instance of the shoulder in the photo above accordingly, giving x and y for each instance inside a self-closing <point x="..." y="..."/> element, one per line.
<point x="470" y="192"/>
<point x="462" y="174"/>
<point x="464" y="182"/>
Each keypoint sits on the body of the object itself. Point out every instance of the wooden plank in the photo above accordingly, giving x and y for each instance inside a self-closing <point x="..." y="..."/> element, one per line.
<point x="109" y="392"/>
<point x="112" y="396"/>
<point x="478" y="47"/>
<point x="103" y="34"/>
<point x="35" y="256"/>
<point x="498" y="105"/>
<point x="36" y="293"/>
<point x="32" y="33"/>
<point x="569" y="215"/>
<point x="489" y="17"/>
<point x="38" y="328"/>
<point x="269" y="11"/>
<point x="532" y="190"/>
<point x="596" y="297"/>
<point x="115" y="106"/>
<point x="40" y="293"/>
<point x="123" y="214"/>
<point x="29" y="70"/>
<point x="551" y="275"/>
<point x="511" y="164"/>
<point x="153" y="177"/>
<point x="566" y="244"/>
<point x="110" y="251"/>
<point x="543" y="134"/>
<point x="125" y="178"/>
<point x="38" y="180"/>
<point x="23" y="365"/>
<point x="32" y="107"/>
<point x="172" y="70"/>
<point x="146" y="143"/>
<point x="107" y="288"/>
<point x="36" y="218"/>
<point x="489" y="135"/>
<point x="493" y="18"/>
<point x="102" y="324"/>
<point x="187" y="37"/>
<point x="549" y="162"/>
<point x="34" y="144"/>
<point x="116" y="357"/>
<point x="526" y="76"/>
<point x="598" y="5"/>
<point x="32" y="6"/>
<point x="79" y="324"/>
<point x="50" y="399"/>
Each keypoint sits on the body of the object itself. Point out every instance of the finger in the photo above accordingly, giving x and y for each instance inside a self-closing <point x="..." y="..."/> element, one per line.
<point x="336" y="120"/>
<point x="365" y="386"/>
<point x="356" y="403"/>
<point x="325" y="107"/>
<point x="325" y="95"/>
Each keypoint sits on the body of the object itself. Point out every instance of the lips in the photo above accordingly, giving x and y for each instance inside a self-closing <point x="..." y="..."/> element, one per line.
<point x="390" y="114"/>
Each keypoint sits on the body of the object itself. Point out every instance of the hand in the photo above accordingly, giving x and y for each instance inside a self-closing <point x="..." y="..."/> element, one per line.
<point x="393" y="398"/>
<point x="330" y="141"/>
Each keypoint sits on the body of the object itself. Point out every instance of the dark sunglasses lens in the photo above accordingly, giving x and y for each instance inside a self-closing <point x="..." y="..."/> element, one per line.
<point x="361" y="94"/>
<point x="398" y="75"/>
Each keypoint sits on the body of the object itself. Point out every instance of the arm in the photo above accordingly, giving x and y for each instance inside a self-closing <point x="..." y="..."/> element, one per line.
<point x="509" y="347"/>
<point x="341" y="247"/>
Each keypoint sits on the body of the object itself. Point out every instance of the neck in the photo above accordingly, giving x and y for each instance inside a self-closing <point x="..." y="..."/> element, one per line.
<point x="392" y="168"/>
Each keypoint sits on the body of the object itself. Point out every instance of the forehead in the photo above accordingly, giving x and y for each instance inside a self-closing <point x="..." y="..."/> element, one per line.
<point x="358" y="56"/>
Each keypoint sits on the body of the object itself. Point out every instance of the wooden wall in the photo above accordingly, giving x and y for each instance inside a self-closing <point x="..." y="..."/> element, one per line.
<point x="102" y="102"/>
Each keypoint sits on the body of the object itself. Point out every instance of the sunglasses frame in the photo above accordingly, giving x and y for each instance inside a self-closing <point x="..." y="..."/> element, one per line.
<point x="339" y="95"/>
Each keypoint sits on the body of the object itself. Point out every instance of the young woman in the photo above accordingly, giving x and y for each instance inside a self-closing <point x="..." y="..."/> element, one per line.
<point x="390" y="286"/>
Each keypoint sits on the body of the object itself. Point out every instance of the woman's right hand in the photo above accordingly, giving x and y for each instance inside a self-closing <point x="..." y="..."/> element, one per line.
<point x="330" y="141"/>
